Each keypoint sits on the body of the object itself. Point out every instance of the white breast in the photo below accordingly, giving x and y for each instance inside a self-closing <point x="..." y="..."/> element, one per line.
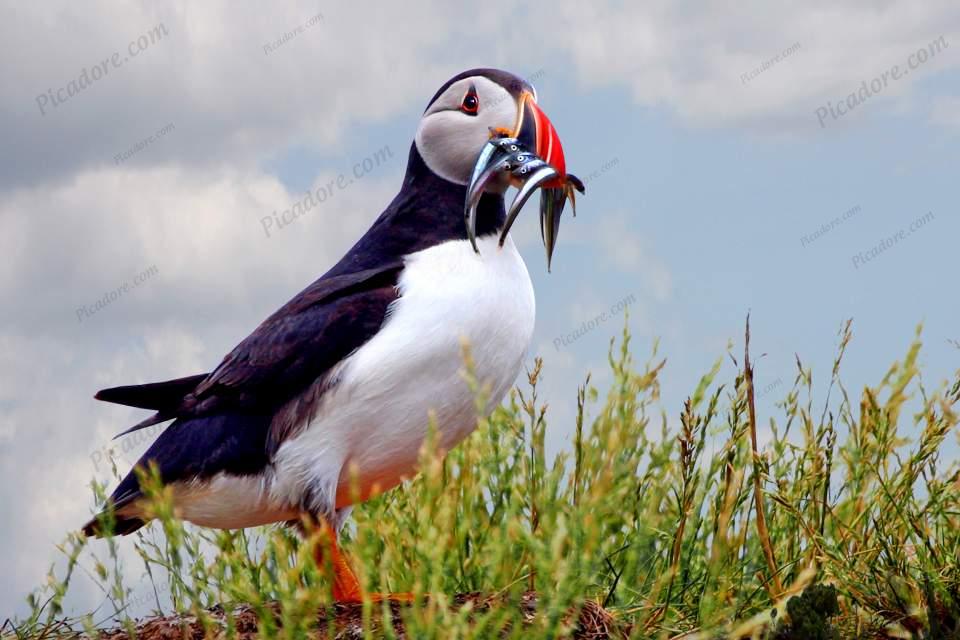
<point x="376" y="417"/>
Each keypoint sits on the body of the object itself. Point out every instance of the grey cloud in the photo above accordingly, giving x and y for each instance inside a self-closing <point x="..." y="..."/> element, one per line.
<point x="209" y="76"/>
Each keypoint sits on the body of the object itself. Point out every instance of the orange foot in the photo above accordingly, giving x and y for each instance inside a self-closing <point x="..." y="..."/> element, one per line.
<point x="346" y="587"/>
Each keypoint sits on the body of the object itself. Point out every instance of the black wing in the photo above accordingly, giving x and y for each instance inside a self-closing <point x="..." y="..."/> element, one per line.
<point x="299" y="343"/>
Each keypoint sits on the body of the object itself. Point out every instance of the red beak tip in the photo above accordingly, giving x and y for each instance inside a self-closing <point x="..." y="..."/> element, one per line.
<point x="548" y="144"/>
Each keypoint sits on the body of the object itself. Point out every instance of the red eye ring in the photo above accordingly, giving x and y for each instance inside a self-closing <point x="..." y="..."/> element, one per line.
<point x="471" y="103"/>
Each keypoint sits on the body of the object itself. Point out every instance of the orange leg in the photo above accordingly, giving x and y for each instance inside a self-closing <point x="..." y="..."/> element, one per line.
<point x="346" y="587"/>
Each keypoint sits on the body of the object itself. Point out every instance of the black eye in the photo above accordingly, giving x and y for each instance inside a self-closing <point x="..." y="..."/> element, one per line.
<point x="471" y="103"/>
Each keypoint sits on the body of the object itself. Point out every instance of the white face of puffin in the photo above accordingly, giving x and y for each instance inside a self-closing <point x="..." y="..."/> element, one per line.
<point x="458" y="124"/>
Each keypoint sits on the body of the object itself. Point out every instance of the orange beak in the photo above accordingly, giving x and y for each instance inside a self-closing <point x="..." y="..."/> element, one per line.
<point x="535" y="131"/>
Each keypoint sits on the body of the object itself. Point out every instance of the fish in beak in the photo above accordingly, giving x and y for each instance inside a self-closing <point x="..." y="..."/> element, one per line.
<point x="533" y="157"/>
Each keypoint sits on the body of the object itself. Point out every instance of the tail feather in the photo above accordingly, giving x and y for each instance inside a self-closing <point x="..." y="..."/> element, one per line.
<point x="156" y="418"/>
<point x="126" y="520"/>
<point x="121" y="527"/>
<point x="163" y="397"/>
<point x="159" y="396"/>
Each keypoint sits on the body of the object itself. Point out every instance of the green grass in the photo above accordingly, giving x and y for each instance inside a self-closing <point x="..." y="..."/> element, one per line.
<point x="661" y="527"/>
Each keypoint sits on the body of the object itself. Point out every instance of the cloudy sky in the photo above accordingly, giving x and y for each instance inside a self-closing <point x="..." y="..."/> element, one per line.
<point x="145" y="148"/>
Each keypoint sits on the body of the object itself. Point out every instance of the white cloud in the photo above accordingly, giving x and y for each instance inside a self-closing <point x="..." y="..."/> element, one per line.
<point x="691" y="61"/>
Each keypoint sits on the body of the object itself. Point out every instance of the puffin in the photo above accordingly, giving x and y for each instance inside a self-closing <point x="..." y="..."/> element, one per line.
<point x="329" y="400"/>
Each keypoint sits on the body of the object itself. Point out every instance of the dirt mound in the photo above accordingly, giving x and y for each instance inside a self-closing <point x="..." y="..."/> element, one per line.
<point x="593" y="622"/>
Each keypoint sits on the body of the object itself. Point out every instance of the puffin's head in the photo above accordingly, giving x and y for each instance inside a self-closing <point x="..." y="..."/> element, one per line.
<point x="470" y="108"/>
